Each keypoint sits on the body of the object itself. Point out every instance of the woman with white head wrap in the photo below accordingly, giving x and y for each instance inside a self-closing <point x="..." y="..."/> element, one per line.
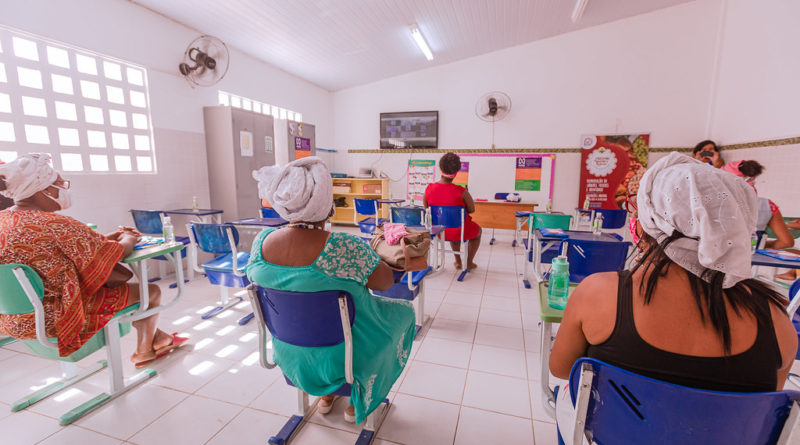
<point x="300" y="191"/>
<point x="688" y="313"/>
<point x="82" y="289"/>
<point x="304" y="257"/>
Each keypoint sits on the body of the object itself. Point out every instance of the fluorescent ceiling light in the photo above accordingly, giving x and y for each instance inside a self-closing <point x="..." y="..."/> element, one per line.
<point x="423" y="45"/>
<point x="580" y="6"/>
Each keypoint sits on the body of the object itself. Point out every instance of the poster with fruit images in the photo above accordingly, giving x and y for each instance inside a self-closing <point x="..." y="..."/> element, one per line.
<point x="607" y="165"/>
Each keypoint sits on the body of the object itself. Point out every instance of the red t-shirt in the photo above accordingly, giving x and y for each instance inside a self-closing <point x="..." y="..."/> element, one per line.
<point x="438" y="194"/>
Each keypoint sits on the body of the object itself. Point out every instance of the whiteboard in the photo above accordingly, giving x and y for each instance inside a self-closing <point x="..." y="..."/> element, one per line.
<point x="491" y="173"/>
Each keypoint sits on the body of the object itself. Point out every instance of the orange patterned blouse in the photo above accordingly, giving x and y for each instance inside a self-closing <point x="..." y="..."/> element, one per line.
<point x="74" y="262"/>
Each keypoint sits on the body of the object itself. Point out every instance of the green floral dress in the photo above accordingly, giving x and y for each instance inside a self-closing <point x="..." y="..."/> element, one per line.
<point x="383" y="330"/>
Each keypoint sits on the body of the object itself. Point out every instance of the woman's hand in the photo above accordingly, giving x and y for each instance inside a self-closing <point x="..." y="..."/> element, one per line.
<point x="794" y="224"/>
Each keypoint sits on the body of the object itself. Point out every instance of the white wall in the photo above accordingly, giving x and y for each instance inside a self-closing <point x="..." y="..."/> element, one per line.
<point x="647" y="73"/>
<point x="758" y="92"/>
<point x="127" y="31"/>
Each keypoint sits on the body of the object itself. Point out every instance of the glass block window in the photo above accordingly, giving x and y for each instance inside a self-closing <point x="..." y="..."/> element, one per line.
<point x="89" y="111"/>
<point x="237" y="101"/>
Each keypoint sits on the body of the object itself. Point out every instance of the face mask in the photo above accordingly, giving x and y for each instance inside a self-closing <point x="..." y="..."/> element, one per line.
<point x="64" y="199"/>
<point x="632" y="228"/>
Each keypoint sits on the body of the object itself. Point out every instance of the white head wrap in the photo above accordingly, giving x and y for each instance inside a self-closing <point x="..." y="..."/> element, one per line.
<point x="299" y="191"/>
<point x="715" y="210"/>
<point x="27" y="175"/>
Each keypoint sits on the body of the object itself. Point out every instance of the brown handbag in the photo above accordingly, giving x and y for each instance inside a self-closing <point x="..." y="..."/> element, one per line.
<point x="410" y="254"/>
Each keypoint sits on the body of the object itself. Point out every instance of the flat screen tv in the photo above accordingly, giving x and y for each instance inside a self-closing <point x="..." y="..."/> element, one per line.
<point x="411" y="129"/>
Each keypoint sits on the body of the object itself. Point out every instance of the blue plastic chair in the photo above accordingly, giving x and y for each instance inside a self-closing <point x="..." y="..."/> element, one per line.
<point x="309" y="319"/>
<point x="226" y="269"/>
<point x="367" y="207"/>
<point x="612" y="218"/>
<point x="149" y="222"/>
<point x="452" y="217"/>
<point x="268" y="212"/>
<point x="412" y="290"/>
<point x="592" y="256"/>
<point x="615" y="406"/>
<point x="410" y="216"/>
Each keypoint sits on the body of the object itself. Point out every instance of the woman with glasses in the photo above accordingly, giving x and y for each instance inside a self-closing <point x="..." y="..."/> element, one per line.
<point x="82" y="290"/>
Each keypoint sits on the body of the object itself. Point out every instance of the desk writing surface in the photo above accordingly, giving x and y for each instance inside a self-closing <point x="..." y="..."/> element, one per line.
<point x="198" y="212"/>
<point x="499" y="214"/>
<point x="153" y="251"/>
<point x="265" y="222"/>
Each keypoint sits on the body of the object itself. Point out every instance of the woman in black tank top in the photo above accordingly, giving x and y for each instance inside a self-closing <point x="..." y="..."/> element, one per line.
<point x="734" y="338"/>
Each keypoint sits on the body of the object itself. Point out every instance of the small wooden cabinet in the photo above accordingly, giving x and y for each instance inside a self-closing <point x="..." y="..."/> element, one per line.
<point x="363" y="188"/>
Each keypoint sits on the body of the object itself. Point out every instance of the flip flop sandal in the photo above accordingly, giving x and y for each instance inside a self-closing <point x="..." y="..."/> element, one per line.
<point x="161" y="352"/>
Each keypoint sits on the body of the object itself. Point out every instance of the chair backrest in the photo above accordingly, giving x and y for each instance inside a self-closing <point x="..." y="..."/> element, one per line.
<point x="148" y="221"/>
<point x="549" y="221"/>
<point x="309" y="319"/>
<point x="592" y="256"/>
<point x="268" y="212"/>
<point x="13" y="300"/>
<point x="368" y="207"/>
<point x="613" y="218"/>
<point x="627" y="408"/>
<point x="451" y="217"/>
<point x="213" y="238"/>
<point x="410" y="216"/>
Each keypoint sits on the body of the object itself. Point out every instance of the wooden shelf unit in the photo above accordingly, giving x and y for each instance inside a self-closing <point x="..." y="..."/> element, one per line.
<point x="344" y="215"/>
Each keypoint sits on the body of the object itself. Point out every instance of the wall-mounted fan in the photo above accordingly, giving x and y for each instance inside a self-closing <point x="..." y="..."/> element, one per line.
<point x="493" y="107"/>
<point x="205" y="61"/>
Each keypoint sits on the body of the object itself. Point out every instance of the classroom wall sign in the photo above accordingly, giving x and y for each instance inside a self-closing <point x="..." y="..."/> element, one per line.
<point x="607" y="164"/>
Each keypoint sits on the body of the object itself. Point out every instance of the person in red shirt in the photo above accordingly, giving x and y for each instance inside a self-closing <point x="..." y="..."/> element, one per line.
<point x="445" y="193"/>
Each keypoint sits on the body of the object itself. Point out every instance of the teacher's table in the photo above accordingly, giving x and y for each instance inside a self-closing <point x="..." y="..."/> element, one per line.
<point x="499" y="214"/>
<point x="202" y="215"/>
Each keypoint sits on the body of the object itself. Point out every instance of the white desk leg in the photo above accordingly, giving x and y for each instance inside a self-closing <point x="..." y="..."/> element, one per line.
<point x="140" y="270"/>
<point x="548" y="398"/>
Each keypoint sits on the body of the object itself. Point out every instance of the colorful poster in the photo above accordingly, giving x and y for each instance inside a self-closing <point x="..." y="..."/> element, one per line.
<point x="528" y="176"/>
<point x="607" y="164"/>
<point x="421" y="172"/>
<point x="302" y="147"/>
<point x="462" y="177"/>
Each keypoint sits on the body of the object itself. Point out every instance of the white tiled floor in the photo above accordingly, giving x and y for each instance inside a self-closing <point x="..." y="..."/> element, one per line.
<point x="472" y="377"/>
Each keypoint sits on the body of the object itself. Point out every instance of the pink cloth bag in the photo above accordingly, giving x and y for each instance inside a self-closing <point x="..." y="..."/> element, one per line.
<point x="393" y="232"/>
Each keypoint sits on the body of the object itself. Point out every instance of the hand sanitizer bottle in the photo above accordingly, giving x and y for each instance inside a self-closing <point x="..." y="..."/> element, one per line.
<point x="195" y="204"/>
<point x="169" y="234"/>
<point x="558" y="286"/>
<point x="597" y="224"/>
<point x="586" y="203"/>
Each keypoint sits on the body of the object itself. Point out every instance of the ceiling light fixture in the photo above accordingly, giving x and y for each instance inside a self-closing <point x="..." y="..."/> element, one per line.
<point x="577" y="12"/>
<point x="423" y="45"/>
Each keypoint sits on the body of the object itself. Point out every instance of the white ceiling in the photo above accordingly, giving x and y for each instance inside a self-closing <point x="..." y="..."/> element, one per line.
<point x="338" y="44"/>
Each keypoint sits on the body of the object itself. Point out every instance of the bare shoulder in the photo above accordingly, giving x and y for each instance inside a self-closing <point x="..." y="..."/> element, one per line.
<point x="784" y="329"/>
<point x="595" y="292"/>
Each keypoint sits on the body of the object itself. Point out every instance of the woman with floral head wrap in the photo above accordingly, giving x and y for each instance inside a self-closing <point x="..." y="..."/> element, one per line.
<point x="74" y="262"/>
<point x="304" y="257"/>
<point x="689" y="313"/>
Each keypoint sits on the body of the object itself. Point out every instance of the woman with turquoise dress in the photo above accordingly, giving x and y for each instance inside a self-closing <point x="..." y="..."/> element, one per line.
<point x="304" y="257"/>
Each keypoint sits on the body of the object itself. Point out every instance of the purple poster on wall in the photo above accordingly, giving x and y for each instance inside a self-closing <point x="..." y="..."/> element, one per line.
<point x="302" y="147"/>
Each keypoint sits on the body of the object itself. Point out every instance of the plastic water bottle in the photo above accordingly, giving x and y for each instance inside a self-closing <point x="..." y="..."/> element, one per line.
<point x="167" y="230"/>
<point x="549" y="206"/>
<point x="586" y="203"/>
<point x="195" y="203"/>
<point x="597" y="224"/>
<point x="558" y="286"/>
